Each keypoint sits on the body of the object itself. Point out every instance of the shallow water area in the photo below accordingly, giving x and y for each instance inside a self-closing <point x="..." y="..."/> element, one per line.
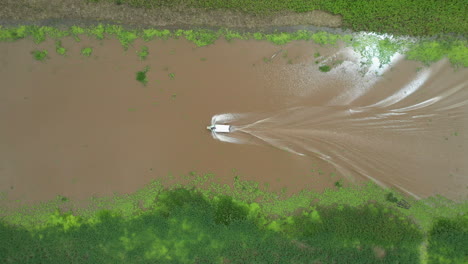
<point x="78" y="126"/>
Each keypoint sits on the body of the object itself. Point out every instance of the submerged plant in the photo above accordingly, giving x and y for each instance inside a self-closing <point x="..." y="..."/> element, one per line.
<point x="324" y="68"/>
<point x="59" y="48"/>
<point x="141" y="75"/>
<point x="86" y="51"/>
<point x="40" y="55"/>
<point x="143" y="53"/>
<point x="339" y="184"/>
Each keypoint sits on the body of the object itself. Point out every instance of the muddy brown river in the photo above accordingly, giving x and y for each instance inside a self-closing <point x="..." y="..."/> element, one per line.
<point x="77" y="126"/>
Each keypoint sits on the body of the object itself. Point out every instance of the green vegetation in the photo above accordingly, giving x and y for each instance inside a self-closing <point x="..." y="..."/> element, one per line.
<point x="171" y="76"/>
<point x="40" y="55"/>
<point x="429" y="51"/>
<point x="448" y="241"/>
<point x="400" y="17"/>
<point x="368" y="45"/>
<point x="324" y="68"/>
<point x="59" y="48"/>
<point x="339" y="183"/>
<point x="143" y="53"/>
<point x="86" y="51"/>
<point x="208" y="223"/>
<point x="183" y="226"/>
<point x="141" y="75"/>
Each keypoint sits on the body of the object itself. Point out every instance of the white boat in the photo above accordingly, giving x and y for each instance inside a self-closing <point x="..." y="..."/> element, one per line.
<point x="219" y="128"/>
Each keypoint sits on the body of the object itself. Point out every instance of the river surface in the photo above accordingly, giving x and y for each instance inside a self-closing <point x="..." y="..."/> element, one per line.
<point x="78" y="127"/>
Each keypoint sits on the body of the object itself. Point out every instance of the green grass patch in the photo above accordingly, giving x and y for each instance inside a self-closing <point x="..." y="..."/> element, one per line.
<point x="87" y="51"/>
<point x="171" y="76"/>
<point x="448" y="241"/>
<point x="40" y="55"/>
<point x="141" y="75"/>
<point x="400" y="17"/>
<point x="143" y="53"/>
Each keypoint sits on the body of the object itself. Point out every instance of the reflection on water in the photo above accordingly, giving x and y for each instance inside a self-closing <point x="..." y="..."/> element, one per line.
<point x="411" y="137"/>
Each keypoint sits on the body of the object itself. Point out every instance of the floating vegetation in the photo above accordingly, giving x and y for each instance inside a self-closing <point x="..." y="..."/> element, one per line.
<point x="87" y="51"/>
<point x="368" y="45"/>
<point x="59" y="48"/>
<point x="143" y="53"/>
<point x="141" y="75"/>
<point x="324" y="68"/>
<point x="40" y="55"/>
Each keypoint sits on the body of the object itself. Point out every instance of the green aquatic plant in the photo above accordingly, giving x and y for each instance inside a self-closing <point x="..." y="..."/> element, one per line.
<point x="428" y="51"/>
<point x="59" y="48"/>
<point x="149" y="34"/>
<point x="230" y="35"/>
<point x="339" y="183"/>
<point x="40" y="55"/>
<point x="141" y="75"/>
<point x="97" y="31"/>
<point x="126" y="37"/>
<point x="369" y="46"/>
<point x="76" y="31"/>
<point x="87" y="51"/>
<point x="171" y="75"/>
<point x="143" y="53"/>
<point x="201" y="37"/>
<point x="324" y="68"/>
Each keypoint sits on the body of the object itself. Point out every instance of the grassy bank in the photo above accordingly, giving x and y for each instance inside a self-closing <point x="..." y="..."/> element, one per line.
<point x="197" y="223"/>
<point x="368" y="45"/>
<point x="400" y="17"/>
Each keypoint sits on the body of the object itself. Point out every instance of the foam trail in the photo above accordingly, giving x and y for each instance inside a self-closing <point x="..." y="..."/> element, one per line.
<point x="412" y="139"/>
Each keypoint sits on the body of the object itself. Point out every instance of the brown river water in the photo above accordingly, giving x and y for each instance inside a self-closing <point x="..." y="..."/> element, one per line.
<point x="78" y="127"/>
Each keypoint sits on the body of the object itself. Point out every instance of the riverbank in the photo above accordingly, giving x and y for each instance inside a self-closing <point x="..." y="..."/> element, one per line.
<point x="426" y="50"/>
<point x="401" y="17"/>
<point x="195" y="224"/>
